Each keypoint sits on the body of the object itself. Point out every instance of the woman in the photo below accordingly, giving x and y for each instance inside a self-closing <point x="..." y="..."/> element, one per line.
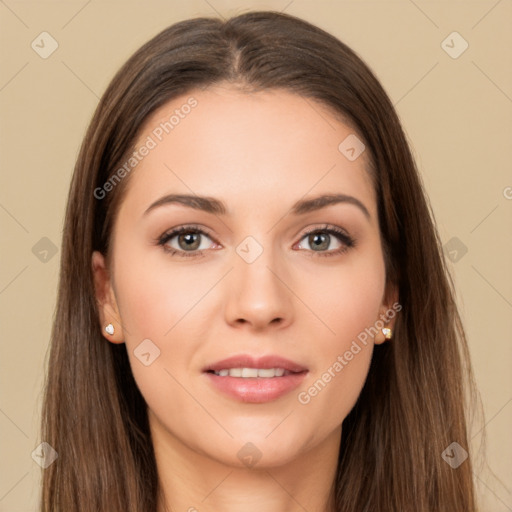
<point x="254" y="312"/>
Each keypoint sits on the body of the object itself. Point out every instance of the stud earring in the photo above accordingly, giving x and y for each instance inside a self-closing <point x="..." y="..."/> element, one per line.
<point x="388" y="333"/>
<point x="109" y="329"/>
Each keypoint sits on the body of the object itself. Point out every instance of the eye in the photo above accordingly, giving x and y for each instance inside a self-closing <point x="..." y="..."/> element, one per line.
<point x="190" y="241"/>
<point x="185" y="241"/>
<point x="321" y="239"/>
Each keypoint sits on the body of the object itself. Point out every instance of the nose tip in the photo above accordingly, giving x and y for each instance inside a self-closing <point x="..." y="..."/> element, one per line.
<point x="256" y="297"/>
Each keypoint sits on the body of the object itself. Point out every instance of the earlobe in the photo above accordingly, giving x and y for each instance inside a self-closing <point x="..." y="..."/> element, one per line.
<point x="109" y="317"/>
<point x="387" y="315"/>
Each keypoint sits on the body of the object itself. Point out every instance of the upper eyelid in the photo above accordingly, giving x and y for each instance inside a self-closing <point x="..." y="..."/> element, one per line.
<point x="186" y="227"/>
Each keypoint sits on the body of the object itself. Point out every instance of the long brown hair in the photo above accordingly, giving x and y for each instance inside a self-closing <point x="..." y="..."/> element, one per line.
<point x="413" y="404"/>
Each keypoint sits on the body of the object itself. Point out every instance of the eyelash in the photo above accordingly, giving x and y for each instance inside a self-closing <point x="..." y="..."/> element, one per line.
<point x="347" y="241"/>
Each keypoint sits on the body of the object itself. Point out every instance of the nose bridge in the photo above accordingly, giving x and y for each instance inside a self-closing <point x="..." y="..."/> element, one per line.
<point x="256" y="293"/>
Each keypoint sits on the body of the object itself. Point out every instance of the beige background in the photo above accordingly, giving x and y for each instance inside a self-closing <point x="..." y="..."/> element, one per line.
<point x="457" y="114"/>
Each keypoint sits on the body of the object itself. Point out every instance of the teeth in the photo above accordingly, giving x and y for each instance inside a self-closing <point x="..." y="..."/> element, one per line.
<point x="251" y="372"/>
<point x="269" y="372"/>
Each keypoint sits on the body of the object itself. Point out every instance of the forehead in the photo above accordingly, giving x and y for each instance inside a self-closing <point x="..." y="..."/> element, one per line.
<point x="248" y="149"/>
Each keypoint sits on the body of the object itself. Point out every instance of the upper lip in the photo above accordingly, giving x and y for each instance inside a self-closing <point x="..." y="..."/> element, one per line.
<point x="248" y="361"/>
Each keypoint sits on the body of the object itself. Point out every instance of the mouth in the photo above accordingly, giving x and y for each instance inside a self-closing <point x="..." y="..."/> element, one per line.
<point x="251" y="373"/>
<point x="255" y="380"/>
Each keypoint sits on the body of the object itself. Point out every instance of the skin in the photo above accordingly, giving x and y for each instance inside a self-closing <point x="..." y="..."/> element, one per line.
<point x="259" y="154"/>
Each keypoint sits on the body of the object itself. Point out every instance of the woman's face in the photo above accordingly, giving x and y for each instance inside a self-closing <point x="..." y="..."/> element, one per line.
<point x="244" y="285"/>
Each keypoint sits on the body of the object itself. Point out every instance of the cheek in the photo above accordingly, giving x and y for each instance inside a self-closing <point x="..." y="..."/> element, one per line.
<point x="170" y="305"/>
<point x="159" y="303"/>
<point x="349" y="308"/>
<point x="346" y="299"/>
<point x="155" y="295"/>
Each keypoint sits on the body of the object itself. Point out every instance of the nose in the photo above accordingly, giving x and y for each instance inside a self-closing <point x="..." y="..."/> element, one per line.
<point x="257" y="294"/>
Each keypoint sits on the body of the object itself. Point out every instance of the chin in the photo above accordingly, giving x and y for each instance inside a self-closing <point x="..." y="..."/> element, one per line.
<point x="262" y="451"/>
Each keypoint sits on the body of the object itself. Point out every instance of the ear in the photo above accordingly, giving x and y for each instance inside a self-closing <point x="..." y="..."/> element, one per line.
<point x="388" y="311"/>
<point x="106" y="300"/>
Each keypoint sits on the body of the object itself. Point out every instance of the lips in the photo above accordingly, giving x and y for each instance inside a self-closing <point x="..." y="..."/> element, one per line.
<point x="255" y="379"/>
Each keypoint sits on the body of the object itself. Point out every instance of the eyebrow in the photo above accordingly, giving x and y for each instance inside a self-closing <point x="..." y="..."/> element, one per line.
<point x="216" y="207"/>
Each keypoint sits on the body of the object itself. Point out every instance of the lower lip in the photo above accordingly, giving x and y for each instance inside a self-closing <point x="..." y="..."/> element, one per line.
<point x="257" y="390"/>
